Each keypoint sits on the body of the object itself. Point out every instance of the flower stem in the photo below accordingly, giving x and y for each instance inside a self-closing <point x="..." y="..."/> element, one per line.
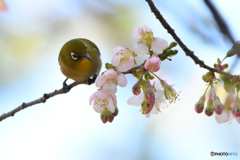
<point x="156" y="76"/>
<point x="206" y="88"/>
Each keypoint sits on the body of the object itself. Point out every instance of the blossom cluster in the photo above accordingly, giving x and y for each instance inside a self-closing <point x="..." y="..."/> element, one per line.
<point x="231" y="108"/>
<point x="150" y="92"/>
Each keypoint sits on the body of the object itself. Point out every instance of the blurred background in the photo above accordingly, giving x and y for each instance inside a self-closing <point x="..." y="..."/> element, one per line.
<point x="66" y="127"/>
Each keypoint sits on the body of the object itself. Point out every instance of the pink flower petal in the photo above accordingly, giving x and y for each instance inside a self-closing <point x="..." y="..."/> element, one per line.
<point x="237" y="119"/>
<point x="118" y="49"/>
<point x="147" y="115"/>
<point x="154" y="111"/>
<point x="114" y="99"/>
<point x="158" y="45"/>
<point x="116" y="59"/>
<point x="97" y="107"/>
<point x="110" y="74"/>
<point x="92" y="97"/>
<point x="121" y="80"/>
<point x="140" y="48"/>
<point x="136" y="34"/>
<point x="224" y="117"/>
<point x="110" y="88"/>
<point x="130" y="63"/>
<point x="99" y="81"/>
<point x="110" y="105"/>
<point x="136" y="100"/>
<point x="122" y="67"/>
<point x="102" y="94"/>
<point x="145" y="28"/>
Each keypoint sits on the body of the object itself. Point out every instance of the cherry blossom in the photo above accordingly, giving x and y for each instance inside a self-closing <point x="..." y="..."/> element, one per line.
<point x="103" y="100"/>
<point x="145" y="41"/>
<point x="109" y="81"/>
<point x="123" y="59"/>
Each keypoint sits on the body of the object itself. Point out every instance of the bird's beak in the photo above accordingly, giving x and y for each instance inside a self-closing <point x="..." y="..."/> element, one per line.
<point x="88" y="57"/>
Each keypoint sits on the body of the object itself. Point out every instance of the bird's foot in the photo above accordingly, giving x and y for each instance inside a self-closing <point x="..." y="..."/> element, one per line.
<point x="92" y="80"/>
<point x="65" y="86"/>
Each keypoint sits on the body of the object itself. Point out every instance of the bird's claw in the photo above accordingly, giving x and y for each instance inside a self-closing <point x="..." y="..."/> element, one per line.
<point x="65" y="86"/>
<point x="92" y="80"/>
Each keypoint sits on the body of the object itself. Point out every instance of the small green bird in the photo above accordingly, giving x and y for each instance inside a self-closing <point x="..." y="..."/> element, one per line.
<point x="79" y="59"/>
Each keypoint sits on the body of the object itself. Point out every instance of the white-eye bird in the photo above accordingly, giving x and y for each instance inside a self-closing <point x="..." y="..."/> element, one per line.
<point x="80" y="60"/>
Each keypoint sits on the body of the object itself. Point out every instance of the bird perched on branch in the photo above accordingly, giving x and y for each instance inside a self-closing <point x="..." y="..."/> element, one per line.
<point x="79" y="59"/>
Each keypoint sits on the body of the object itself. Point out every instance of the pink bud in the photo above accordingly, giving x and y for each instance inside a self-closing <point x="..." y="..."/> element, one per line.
<point x="218" y="109"/>
<point x="136" y="90"/>
<point x="104" y="118"/>
<point x="217" y="105"/>
<point x="152" y="64"/>
<point x="115" y="113"/>
<point x="209" y="112"/>
<point x="110" y="119"/>
<point x="236" y="111"/>
<point x="150" y="98"/>
<point x="199" y="108"/>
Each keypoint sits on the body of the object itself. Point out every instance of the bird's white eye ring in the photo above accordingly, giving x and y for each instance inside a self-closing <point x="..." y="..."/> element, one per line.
<point x="74" y="56"/>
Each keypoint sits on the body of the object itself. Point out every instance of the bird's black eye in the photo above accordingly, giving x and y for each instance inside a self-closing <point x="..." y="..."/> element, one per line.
<point x="74" y="56"/>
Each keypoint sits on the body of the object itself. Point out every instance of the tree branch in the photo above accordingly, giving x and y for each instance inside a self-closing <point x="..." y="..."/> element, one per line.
<point x="52" y="94"/>
<point x="187" y="51"/>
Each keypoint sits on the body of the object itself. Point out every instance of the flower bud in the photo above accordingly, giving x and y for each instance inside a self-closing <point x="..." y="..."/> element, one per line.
<point x="152" y="64"/>
<point x="172" y="53"/>
<point x="146" y="107"/>
<point x="110" y="118"/>
<point x="104" y="118"/>
<point x="199" y="106"/>
<point x="136" y="89"/>
<point x="173" y="44"/>
<point x="209" y="109"/>
<point x="115" y="112"/>
<point x="218" y="107"/>
<point x="106" y="115"/>
<point x="236" y="107"/>
<point x="149" y="94"/>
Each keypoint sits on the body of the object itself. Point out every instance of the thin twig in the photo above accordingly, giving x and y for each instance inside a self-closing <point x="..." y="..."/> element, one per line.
<point x="52" y="94"/>
<point x="39" y="100"/>
<point x="220" y="22"/>
<point x="223" y="27"/>
<point x="133" y="69"/>
<point x="187" y="51"/>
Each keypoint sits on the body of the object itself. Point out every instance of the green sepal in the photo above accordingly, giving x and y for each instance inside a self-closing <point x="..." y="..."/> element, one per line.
<point x="206" y="77"/>
<point x="144" y="85"/>
<point x="148" y="76"/>
<point x="108" y="66"/>
<point x="138" y="74"/>
<point x="135" y="63"/>
<point x="134" y="54"/>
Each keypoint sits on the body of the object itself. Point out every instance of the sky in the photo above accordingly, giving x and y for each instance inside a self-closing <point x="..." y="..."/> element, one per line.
<point x="66" y="126"/>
